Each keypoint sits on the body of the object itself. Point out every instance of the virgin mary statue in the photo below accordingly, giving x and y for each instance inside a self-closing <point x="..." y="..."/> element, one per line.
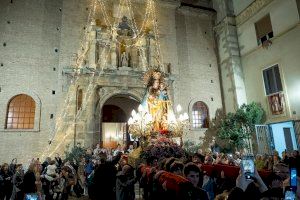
<point x="156" y="100"/>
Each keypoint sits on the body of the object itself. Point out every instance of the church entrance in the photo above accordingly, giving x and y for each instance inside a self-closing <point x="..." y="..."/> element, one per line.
<point x="115" y="114"/>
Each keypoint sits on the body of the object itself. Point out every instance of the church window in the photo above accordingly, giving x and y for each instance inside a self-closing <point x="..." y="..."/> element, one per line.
<point x="272" y="80"/>
<point x="200" y="115"/>
<point x="264" y="29"/>
<point x="79" y="99"/>
<point x="20" y="112"/>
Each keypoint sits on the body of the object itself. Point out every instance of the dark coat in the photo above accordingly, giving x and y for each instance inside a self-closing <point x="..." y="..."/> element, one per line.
<point x="105" y="179"/>
<point x="29" y="182"/>
<point x="125" y="187"/>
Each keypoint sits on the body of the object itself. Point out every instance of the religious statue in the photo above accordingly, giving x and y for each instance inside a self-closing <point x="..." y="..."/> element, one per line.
<point x="124" y="59"/>
<point x="123" y="28"/>
<point x="276" y="102"/>
<point x="156" y="100"/>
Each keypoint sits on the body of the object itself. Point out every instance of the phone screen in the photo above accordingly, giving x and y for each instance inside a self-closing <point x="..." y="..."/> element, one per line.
<point x="248" y="167"/>
<point x="289" y="195"/>
<point x="32" y="196"/>
<point x="293" y="177"/>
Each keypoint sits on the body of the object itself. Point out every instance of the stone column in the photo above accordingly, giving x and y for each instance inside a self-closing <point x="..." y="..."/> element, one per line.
<point x="113" y="55"/>
<point x="92" y="50"/>
<point x="230" y="64"/>
<point x="142" y="55"/>
<point x="103" y="55"/>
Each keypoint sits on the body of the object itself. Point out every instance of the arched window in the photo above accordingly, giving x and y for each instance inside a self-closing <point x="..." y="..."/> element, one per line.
<point x="20" y="112"/>
<point x="200" y="115"/>
<point x="79" y="99"/>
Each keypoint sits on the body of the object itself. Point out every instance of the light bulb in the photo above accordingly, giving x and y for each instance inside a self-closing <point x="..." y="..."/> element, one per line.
<point x="180" y="117"/>
<point x="140" y="109"/>
<point x="130" y="121"/>
<point x="171" y="117"/>
<point x="178" y="108"/>
<point x="148" y="118"/>
<point x="133" y="113"/>
<point x="185" y="116"/>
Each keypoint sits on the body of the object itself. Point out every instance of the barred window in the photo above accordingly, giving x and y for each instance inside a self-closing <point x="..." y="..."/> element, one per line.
<point x="79" y="99"/>
<point x="200" y="115"/>
<point x="20" y="112"/>
<point x="272" y="80"/>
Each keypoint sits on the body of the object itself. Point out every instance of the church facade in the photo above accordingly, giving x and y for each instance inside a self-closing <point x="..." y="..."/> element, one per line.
<point x="38" y="61"/>
<point x="65" y="72"/>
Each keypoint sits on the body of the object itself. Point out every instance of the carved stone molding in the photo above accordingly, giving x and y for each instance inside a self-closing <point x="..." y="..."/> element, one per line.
<point x="251" y="10"/>
<point x="189" y="11"/>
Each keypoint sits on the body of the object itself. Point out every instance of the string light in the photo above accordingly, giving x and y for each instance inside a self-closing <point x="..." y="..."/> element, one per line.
<point x="69" y="99"/>
<point x="139" y="34"/>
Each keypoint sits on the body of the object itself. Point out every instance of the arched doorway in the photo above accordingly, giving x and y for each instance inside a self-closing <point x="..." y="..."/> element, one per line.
<point x="115" y="114"/>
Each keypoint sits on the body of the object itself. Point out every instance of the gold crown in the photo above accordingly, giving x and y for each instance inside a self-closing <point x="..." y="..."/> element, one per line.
<point x="156" y="75"/>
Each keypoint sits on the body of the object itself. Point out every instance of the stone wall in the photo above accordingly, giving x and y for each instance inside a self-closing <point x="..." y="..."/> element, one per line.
<point x="31" y="31"/>
<point x="41" y="39"/>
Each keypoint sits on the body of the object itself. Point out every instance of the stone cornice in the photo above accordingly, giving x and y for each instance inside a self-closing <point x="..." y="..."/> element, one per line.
<point x="251" y="10"/>
<point x="189" y="11"/>
<point x="169" y="3"/>
<point x="164" y="3"/>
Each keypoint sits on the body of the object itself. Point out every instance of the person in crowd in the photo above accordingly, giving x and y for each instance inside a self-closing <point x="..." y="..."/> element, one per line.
<point x="209" y="185"/>
<point x="197" y="159"/>
<point x="81" y="175"/>
<point x="294" y="160"/>
<point x="51" y="171"/>
<point x="208" y="160"/>
<point x="13" y="164"/>
<point x="66" y="181"/>
<point x="214" y="147"/>
<point x="17" y="181"/>
<point x="268" y="164"/>
<point x="237" y="158"/>
<point x="29" y="180"/>
<point x="1" y="184"/>
<point x="125" y="181"/>
<point x="130" y="148"/>
<point x="177" y="168"/>
<point x="105" y="178"/>
<point x="223" y="183"/>
<point x="276" y="158"/>
<point x="252" y="189"/>
<point x="193" y="174"/>
<point x="38" y="181"/>
<point x="218" y="159"/>
<point x="45" y="164"/>
<point x="169" y="162"/>
<point x="259" y="162"/>
<point x="118" y="149"/>
<point x="7" y="182"/>
<point x="58" y="161"/>
<point x="97" y="151"/>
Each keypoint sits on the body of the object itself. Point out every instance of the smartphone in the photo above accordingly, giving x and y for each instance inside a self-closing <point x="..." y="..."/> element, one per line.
<point x="289" y="194"/>
<point x="293" y="178"/>
<point x="31" y="196"/>
<point x="248" y="167"/>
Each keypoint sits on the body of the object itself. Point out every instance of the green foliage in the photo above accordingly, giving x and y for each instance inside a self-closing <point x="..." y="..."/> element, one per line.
<point x="237" y="127"/>
<point x="75" y="154"/>
<point x="190" y="147"/>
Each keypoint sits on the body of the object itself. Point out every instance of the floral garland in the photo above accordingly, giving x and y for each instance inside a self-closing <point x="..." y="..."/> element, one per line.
<point x="162" y="148"/>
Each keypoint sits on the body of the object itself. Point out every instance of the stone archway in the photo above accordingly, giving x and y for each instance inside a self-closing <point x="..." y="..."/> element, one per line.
<point x="110" y="96"/>
<point x="113" y="122"/>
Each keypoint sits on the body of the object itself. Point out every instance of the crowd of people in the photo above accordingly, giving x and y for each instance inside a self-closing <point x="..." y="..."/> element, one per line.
<point x="106" y="174"/>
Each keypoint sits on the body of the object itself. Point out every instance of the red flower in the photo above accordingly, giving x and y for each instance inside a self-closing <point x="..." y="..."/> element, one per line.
<point x="164" y="132"/>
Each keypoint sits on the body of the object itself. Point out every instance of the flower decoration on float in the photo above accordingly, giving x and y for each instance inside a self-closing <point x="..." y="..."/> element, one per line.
<point x="141" y="124"/>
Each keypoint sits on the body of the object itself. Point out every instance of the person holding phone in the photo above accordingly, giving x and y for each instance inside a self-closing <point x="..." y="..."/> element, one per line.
<point x="291" y="185"/>
<point x="249" y="184"/>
